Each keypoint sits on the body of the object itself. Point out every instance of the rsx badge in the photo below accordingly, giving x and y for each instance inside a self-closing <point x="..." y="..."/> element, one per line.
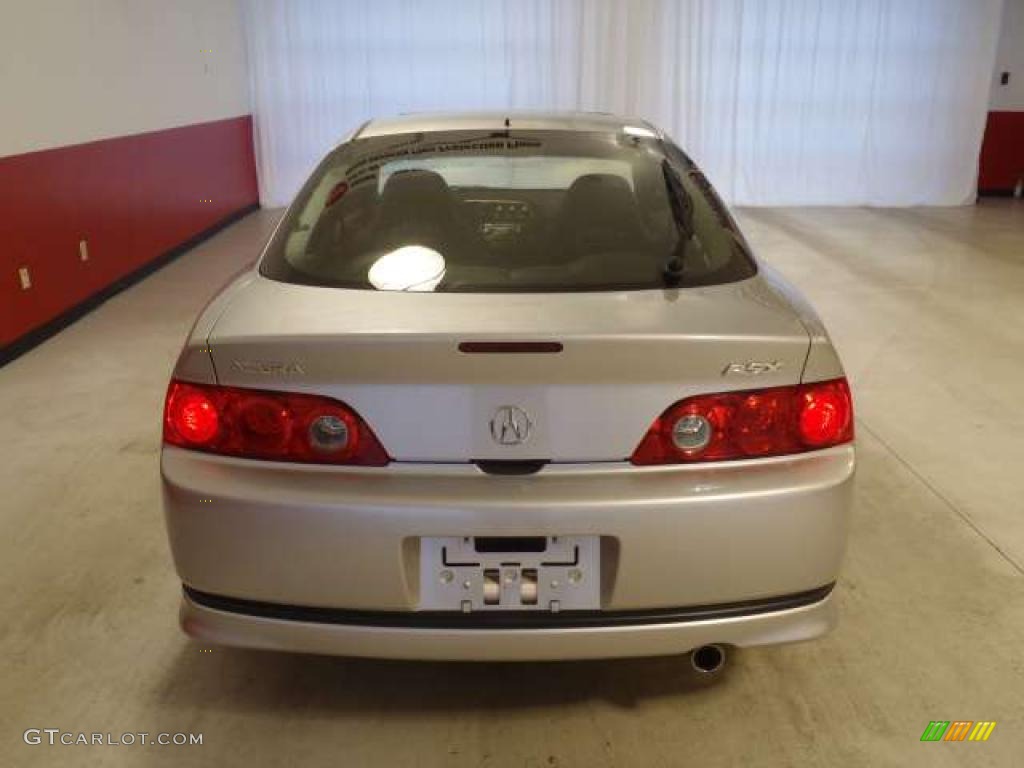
<point x="752" y="367"/>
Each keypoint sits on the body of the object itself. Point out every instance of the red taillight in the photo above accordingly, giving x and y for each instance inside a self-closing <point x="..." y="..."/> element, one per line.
<point x="826" y="414"/>
<point x="277" y="426"/>
<point x="192" y="416"/>
<point x="743" y="425"/>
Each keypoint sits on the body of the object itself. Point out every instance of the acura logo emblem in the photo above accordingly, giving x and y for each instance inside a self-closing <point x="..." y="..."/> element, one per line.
<point x="510" y="425"/>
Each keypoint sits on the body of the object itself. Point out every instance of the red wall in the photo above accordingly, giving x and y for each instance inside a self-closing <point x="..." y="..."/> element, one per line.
<point x="133" y="198"/>
<point x="1002" y="152"/>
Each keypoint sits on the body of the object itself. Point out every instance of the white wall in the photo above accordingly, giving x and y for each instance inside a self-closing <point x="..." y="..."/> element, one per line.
<point x="73" y="71"/>
<point x="1010" y="58"/>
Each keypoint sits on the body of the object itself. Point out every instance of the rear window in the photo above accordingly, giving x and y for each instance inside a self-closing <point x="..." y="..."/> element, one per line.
<point x="518" y="211"/>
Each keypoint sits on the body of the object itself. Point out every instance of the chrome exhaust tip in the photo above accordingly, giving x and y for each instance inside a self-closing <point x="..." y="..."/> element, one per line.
<point x="708" y="659"/>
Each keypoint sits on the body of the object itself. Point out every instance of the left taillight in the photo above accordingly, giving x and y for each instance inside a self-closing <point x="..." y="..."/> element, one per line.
<point x="750" y="424"/>
<point x="275" y="426"/>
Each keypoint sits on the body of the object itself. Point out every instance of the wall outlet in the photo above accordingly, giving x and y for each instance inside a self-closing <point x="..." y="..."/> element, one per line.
<point x="83" y="250"/>
<point x="25" y="278"/>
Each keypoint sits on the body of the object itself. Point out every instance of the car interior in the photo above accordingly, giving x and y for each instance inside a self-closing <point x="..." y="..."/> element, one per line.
<point x="483" y="231"/>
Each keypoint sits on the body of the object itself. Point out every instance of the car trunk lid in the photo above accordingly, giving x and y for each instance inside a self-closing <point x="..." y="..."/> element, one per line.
<point x="610" y="362"/>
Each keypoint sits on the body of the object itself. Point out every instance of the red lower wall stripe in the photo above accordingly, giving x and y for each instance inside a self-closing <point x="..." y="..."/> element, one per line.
<point x="133" y="199"/>
<point x="1002" y="152"/>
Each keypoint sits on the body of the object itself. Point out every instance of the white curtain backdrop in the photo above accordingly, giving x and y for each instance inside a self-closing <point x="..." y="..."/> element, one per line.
<point x="834" y="102"/>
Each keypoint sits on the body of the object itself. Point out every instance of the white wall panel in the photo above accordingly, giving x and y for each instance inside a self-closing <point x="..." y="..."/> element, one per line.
<point x="1010" y="58"/>
<point x="73" y="71"/>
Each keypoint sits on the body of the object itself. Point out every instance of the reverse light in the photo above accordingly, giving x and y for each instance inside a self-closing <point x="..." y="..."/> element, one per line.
<point x="334" y="433"/>
<point x="750" y="424"/>
<point x="691" y="433"/>
<point x="276" y="426"/>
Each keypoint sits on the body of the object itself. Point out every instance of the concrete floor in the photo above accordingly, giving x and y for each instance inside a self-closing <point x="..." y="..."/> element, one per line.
<point x="927" y="307"/>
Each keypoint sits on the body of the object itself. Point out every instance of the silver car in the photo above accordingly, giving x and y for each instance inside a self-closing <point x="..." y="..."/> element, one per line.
<point x="508" y="387"/>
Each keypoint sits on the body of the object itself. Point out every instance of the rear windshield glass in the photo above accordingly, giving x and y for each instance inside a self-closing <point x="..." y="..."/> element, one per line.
<point x="522" y="211"/>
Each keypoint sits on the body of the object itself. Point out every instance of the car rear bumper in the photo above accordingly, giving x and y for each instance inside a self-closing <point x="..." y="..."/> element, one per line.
<point x="347" y="539"/>
<point x="504" y="637"/>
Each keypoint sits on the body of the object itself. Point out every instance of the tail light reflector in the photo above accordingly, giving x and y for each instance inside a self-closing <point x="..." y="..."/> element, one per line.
<point x="750" y="424"/>
<point x="277" y="426"/>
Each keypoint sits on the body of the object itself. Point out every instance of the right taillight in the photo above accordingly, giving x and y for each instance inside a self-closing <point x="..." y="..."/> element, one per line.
<point x="750" y="424"/>
<point x="276" y="426"/>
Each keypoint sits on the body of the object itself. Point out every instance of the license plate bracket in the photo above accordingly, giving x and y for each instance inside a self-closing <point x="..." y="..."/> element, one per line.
<point x="458" y="575"/>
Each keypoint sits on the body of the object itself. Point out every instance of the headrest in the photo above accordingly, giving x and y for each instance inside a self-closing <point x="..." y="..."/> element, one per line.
<point x="417" y="208"/>
<point x="600" y="208"/>
<point x="406" y="192"/>
<point x="600" y="196"/>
